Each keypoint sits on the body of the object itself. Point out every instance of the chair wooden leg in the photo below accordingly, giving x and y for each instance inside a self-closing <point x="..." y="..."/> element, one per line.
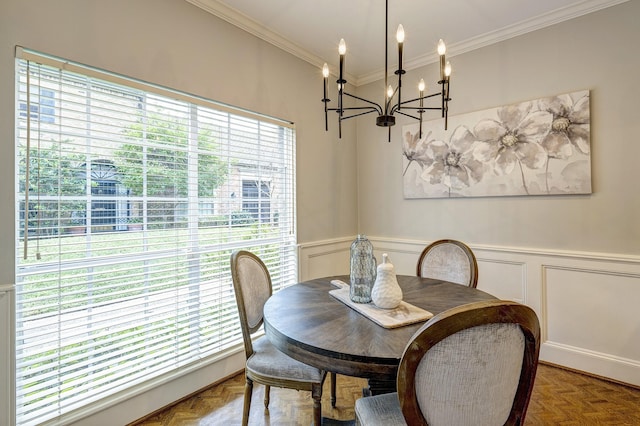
<point x="248" y="390"/>
<point x="316" y="394"/>
<point x="267" y="391"/>
<point x="333" y="389"/>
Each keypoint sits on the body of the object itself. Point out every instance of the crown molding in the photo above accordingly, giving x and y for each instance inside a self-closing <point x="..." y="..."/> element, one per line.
<point x="529" y="25"/>
<point x="240" y="20"/>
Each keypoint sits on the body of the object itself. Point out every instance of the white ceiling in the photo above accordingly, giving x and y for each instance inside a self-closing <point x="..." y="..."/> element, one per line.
<point x="311" y="29"/>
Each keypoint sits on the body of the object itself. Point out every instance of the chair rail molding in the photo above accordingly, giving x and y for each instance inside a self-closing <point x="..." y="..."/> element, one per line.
<point x="586" y="301"/>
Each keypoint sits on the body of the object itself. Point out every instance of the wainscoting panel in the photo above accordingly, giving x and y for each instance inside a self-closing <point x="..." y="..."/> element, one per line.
<point x="577" y="302"/>
<point x="323" y="258"/>
<point x="587" y="303"/>
<point x="592" y="320"/>
<point x="503" y="279"/>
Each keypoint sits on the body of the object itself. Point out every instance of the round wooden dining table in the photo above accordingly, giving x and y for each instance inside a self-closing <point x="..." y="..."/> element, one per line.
<point x="310" y="325"/>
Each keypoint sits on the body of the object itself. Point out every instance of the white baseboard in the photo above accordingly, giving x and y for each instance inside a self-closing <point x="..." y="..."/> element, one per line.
<point x="596" y="363"/>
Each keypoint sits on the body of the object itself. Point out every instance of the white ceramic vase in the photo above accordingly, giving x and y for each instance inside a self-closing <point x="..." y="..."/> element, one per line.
<point x="386" y="292"/>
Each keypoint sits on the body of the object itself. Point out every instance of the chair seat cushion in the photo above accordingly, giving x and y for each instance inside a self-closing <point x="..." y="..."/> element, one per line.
<point x="267" y="361"/>
<point x="383" y="410"/>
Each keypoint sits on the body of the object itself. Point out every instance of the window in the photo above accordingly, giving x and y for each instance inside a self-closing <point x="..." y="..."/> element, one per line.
<point x="128" y="209"/>
<point x="255" y="199"/>
<point x="41" y="106"/>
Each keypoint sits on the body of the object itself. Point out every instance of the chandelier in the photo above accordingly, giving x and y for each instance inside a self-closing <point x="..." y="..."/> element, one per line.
<point x="386" y="114"/>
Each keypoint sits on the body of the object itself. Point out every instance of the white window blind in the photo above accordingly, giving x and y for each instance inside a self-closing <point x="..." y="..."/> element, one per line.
<point x="130" y="199"/>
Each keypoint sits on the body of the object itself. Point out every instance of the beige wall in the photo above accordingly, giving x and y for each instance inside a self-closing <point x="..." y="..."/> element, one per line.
<point x="597" y="52"/>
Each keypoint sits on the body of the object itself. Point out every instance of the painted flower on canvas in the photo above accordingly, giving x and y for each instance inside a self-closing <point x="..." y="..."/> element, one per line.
<point x="532" y="148"/>
<point x="569" y="126"/>
<point x="453" y="163"/>
<point x="414" y="149"/>
<point x="513" y="139"/>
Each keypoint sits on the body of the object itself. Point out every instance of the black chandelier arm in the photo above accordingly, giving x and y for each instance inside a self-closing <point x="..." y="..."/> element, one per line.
<point x="409" y="115"/>
<point x="377" y="106"/>
<point x="416" y="108"/>
<point x="369" y="111"/>
<point x="423" y="97"/>
<point x="445" y="100"/>
<point x="445" y="115"/>
<point x="404" y="104"/>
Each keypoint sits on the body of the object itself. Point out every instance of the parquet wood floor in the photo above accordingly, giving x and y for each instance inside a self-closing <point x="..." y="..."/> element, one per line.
<point x="560" y="397"/>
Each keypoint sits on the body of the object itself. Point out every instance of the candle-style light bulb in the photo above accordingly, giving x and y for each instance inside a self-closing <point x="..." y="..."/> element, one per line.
<point x="325" y="99"/>
<point x="421" y="87"/>
<point x="389" y="92"/>
<point x="325" y="83"/>
<point x="442" y="49"/>
<point x="400" y="34"/>
<point x="400" y="38"/>
<point x="342" y="47"/>
<point x="447" y="69"/>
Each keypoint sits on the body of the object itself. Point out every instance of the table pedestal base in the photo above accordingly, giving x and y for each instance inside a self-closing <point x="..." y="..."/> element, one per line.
<point x="378" y="387"/>
<point x="333" y="422"/>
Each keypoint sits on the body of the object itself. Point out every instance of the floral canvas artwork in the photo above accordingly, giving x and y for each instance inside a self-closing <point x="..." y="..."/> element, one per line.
<point x="539" y="147"/>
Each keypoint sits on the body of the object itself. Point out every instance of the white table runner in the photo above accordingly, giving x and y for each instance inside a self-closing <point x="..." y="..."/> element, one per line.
<point x="404" y="314"/>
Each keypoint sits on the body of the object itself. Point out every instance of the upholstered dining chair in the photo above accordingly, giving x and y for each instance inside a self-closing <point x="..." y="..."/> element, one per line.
<point x="471" y="365"/>
<point x="449" y="260"/>
<point x="266" y="364"/>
